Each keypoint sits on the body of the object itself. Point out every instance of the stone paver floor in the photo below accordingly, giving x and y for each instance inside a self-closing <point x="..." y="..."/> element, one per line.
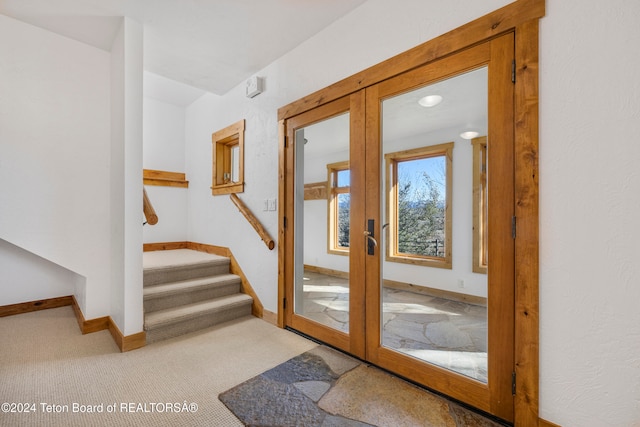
<point x="447" y="333"/>
<point x="326" y="388"/>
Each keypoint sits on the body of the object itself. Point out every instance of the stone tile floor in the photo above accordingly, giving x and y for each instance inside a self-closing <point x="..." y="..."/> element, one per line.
<point x="447" y="333"/>
<point x="326" y="388"/>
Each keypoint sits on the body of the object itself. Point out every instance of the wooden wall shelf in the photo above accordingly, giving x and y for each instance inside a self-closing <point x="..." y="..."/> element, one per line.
<point x="315" y="191"/>
<point x="164" y="178"/>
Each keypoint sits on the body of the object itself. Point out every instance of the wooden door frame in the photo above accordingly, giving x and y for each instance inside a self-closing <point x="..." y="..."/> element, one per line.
<point x="495" y="395"/>
<point x="354" y="341"/>
<point x="521" y="18"/>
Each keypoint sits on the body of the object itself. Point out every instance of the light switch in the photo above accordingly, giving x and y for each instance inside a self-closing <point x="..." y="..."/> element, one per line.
<point x="272" y="204"/>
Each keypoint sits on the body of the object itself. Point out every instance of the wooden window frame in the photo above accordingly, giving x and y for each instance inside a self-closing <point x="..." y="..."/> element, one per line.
<point x="333" y="191"/>
<point x="223" y="142"/>
<point x="480" y="204"/>
<point x="391" y="180"/>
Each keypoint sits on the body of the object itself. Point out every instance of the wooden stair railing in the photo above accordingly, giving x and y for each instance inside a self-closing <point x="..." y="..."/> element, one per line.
<point x="147" y="208"/>
<point x="253" y="221"/>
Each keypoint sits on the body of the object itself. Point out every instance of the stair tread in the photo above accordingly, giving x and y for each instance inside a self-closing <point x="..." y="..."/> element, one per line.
<point x="158" y="260"/>
<point x="171" y="288"/>
<point x="188" y="265"/>
<point x="189" y="311"/>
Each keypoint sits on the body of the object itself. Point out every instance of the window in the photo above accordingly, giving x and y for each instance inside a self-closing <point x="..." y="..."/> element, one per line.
<point x="228" y="160"/>
<point x="418" y="205"/>
<point x="338" y="179"/>
<point x="480" y="203"/>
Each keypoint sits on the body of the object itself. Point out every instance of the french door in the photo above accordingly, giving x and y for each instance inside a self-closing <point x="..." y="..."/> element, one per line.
<point x="325" y="176"/>
<point x="399" y="207"/>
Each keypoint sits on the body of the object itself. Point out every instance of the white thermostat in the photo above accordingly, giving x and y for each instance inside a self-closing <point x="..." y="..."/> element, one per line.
<point x="254" y="86"/>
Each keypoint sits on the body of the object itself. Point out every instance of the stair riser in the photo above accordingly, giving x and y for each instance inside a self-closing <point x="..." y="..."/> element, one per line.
<point x="174" y="274"/>
<point x="200" y="322"/>
<point x="170" y="301"/>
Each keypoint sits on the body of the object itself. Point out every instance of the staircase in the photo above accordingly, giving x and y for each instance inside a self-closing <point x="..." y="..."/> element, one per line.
<point x="185" y="291"/>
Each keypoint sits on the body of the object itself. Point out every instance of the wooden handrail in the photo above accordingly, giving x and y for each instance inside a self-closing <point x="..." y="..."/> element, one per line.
<point x="253" y="221"/>
<point x="147" y="208"/>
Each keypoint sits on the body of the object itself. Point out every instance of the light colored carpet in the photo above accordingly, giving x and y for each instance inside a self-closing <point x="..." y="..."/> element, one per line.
<point x="44" y="359"/>
<point x="176" y="257"/>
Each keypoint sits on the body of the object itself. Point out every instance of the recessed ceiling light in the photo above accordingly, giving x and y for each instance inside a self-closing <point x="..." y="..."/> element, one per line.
<point x="430" y="100"/>
<point x="468" y="135"/>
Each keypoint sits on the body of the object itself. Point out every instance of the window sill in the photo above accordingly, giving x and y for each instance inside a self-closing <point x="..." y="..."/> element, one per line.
<point x="228" y="188"/>
<point x="424" y="262"/>
<point x="343" y="252"/>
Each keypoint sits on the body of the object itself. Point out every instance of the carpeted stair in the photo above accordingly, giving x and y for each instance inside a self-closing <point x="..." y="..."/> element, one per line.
<point x="185" y="295"/>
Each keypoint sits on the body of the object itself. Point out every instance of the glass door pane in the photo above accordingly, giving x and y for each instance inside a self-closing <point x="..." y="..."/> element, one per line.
<point x="322" y="222"/>
<point x="434" y="305"/>
<point x="392" y="216"/>
<point x="440" y="289"/>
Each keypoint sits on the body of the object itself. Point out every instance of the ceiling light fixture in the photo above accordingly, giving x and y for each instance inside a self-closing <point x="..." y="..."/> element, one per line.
<point x="430" y="100"/>
<point x="469" y="134"/>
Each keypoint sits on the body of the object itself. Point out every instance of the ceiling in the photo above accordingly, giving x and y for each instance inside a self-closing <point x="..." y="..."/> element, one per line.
<point x="212" y="45"/>
<point x="463" y="108"/>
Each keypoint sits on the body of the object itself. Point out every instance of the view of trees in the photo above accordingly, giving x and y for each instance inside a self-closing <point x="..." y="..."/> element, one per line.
<point x="421" y="217"/>
<point x="343" y="219"/>
<point x="421" y="208"/>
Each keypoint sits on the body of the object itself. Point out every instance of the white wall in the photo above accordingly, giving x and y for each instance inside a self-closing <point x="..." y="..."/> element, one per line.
<point x="54" y="158"/>
<point x="589" y="207"/>
<point x="170" y="205"/>
<point x="164" y="149"/>
<point x="70" y="176"/>
<point x="335" y="133"/>
<point x="163" y="136"/>
<point x="27" y="277"/>
<point x="126" y="178"/>
<point x="589" y="100"/>
<point x="215" y="220"/>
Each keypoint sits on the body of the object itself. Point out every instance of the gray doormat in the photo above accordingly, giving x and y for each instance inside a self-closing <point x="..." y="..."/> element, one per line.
<point x="326" y="388"/>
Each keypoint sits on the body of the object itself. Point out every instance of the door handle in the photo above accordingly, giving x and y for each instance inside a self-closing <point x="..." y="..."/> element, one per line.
<point x="371" y="240"/>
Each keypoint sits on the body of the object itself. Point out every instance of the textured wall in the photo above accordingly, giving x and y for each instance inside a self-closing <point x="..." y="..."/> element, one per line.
<point x="54" y="155"/>
<point x="27" y="277"/>
<point x="163" y="135"/>
<point x="126" y="178"/>
<point x="589" y="182"/>
<point x="589" y="205"/>
<point x="164" y="149"/>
